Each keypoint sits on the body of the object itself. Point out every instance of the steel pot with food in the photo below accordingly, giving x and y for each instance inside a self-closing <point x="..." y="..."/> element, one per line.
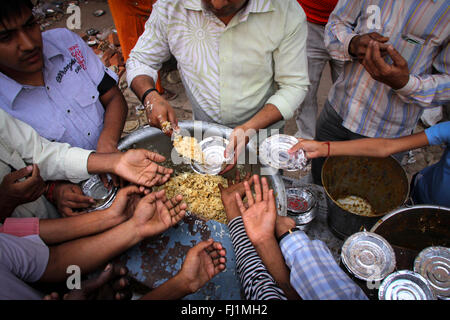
<point x="361" y="190"/>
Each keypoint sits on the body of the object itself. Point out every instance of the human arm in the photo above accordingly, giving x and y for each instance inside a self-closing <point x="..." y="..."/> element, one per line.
<point x="314" y="273"/>
<point x="54" y="231"/>
<point x="340" y="29"/>
<point x="66" y="197"/>
<point x="89" y="253"/>
<point x="19" y="187"/>
<point x="116" y="111"/>
<point x="369" y="147"/>
<point x="259" y="221"/>
<point x="257" y="282"/>
<point x="290" y="73"/>
<point x="204" y="261"/>
<point x="146" y="58"/>
<point x="242" y="134"/>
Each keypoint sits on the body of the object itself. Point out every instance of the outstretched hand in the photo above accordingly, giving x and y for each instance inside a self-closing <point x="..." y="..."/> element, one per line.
<point x="155" y="213"/>
<point x="140" y="167"/>
<point x="260" y="216"/>
<point x="111" y="284"/>
<point x="202" y="263"/>
<point x="227" y="194"/>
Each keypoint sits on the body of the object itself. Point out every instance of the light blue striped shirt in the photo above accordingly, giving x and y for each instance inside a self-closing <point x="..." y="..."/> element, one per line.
<point x="419" y="30"/>
<point x="315" y="275"/>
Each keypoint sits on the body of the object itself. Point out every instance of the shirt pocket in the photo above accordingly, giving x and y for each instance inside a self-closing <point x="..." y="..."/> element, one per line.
<point x="86" y="96"/>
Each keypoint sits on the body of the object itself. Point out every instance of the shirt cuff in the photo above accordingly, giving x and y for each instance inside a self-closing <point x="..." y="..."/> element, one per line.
<point x="75" y="164"/>
<point x="294" y="241"/>
<point x="135" y="69"/>
<point x="411" y="86"/>
<point x="347" y="40"/>
<point x="20" y="227"/>
<point x="282" y="105"/>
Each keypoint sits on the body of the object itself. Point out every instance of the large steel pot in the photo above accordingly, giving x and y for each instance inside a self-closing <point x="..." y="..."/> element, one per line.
<point x="416" y="227"/>
<point x="153" y="139"/>
<point x="381" y="181"/>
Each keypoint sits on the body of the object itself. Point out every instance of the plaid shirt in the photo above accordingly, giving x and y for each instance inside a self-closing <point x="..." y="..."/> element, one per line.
<point x="315" y="275"/>
<point x="419" y="30"/>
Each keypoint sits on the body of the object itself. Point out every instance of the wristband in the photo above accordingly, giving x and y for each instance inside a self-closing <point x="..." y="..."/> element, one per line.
<point x="49" y="193"/>
<point x="291" y="230"/>
<point x="146" y="93"/>
<point x="328" y="143"/>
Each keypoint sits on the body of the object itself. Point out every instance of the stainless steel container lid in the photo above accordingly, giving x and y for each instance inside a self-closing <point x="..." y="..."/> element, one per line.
<point x="433" y="263"/>
<point x="405" y="285"/>
<point x="213" y="149"/>
<point x="273" y="152"/>
<point x="368" y="256"/>
<point x="93" y="187"/>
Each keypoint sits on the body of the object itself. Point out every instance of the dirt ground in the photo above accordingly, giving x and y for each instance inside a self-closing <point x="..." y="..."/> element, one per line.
<point x="415" y="161"/>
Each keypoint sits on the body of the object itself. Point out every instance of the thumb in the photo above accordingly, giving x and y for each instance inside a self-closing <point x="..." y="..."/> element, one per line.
<point x="378" y="37"/>
<point x="22" y="173"/>
<point x="396" y="56"/>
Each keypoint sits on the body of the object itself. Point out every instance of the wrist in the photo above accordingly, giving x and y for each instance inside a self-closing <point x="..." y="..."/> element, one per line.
<point x="183" y="284"/>
<point x="351" y="46"/>
<point x="264" y="241"/>
<point x="325" y="149"/>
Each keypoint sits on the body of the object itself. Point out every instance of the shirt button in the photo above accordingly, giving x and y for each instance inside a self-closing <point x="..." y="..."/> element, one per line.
<point x="48" y="88"/>
<point x="89" y="133"/>
<point x="68" y="110"/>
<point x="93" y="97"/>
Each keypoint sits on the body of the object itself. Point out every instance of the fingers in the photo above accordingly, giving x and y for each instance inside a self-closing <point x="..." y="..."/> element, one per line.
<point x="378" y="37"/>
<point x="21" y="173"/>
<point x="397" y="58"/>
<point x="272" y="203"/>
<point x="240" y="204"/>
<point x="257" y="187"/>
<point x="297" y="146"/>
<point x="248" y="194"/>
<point x="108" y="274"/>
<point x="51" y="296"/>
<point x="76" y="200"/>
<point x="265" y="189"/>
<point x="104" y="179"/>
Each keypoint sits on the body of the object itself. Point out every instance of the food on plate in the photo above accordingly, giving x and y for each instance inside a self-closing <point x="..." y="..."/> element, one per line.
<point x="200" y="192"/>
<point x="188" y="147"/>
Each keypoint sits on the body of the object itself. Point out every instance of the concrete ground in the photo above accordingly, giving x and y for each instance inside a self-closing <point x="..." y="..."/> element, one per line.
<point x="416" y="160"/>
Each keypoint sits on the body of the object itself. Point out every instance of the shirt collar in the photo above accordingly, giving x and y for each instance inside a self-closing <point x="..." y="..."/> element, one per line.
<point x="11" y="88"/>
<point x="253" y="6"/>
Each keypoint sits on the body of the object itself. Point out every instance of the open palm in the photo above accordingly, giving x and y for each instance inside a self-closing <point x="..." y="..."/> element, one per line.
<point x="202" y="263"/>
<point x="155" y="213"/>
<point x="260" y="216"/>
<point x="139" y="166"/>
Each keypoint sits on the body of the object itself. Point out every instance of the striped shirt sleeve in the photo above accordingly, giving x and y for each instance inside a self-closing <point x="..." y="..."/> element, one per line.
<point x="340" y="29"/>
<point x="430" y="90"/>
<point x="315" y="275"/>
<point x="255" y="279"/>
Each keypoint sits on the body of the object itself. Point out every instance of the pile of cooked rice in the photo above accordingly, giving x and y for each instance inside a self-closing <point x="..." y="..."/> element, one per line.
<point x="356" y="205"/>
<point x="200" y="192"/>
